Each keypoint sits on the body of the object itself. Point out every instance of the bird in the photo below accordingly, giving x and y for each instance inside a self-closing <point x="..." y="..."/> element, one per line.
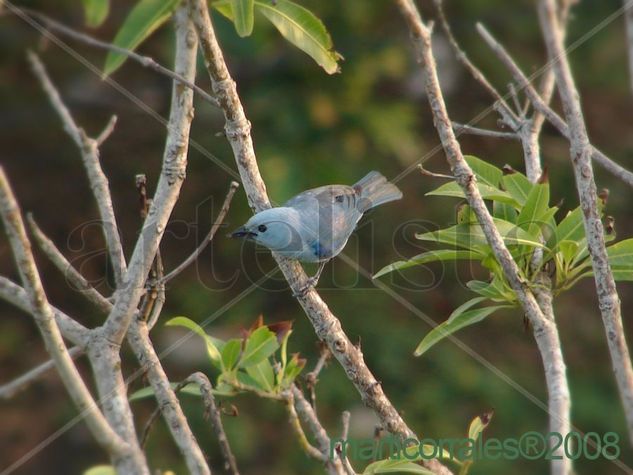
<point x="314" y="226"/>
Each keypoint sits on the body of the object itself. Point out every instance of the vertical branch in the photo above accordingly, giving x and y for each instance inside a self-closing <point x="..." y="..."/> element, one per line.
<point x="90" y="155"/>
<point x="168" y="188"/>
<point x="581" y="151"/>
<point x="326" y="325"/>
<point x="14" y="227"/>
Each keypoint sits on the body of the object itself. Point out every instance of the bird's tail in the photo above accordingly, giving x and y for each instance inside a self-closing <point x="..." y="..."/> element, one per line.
<point x="374" y="190"/>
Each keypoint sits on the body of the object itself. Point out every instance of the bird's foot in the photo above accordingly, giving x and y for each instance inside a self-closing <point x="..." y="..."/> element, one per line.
<point x="311" y="282"/>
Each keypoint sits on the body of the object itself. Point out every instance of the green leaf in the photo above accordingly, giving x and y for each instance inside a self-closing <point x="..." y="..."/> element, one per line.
<point x="571" y="228"/>
<point x="568" y="250"/>
<point x="395" y="466"/>
<point x="100" y="470"/>
<point x="504" y="211"/>
<point x="487" y="192"/>
<point x="486" y="173"/>
<point x="426" y="257"/>
<point x="263" y="374"/>
<point x="211" y="343"/>
<point x="459" y="319"/>
<point x="95" y="12"/>
<point x="260" y="345"/>
<point x="142" y="21"/>
<point x="486" y="289"/>
<point x="243" y="16"/>
<point x="518" y="186"/>
<point x="478" y="424"/>
<point x="190" y="389"/>
<point x="224" y="7"/>
<point x="293" y="369"/>
<point x="304" y="30"/>
<point x="470" y="235"/>
<point x="231" y="353"/>
<point x="621" y="254"/>
<point x="536" y="205"/>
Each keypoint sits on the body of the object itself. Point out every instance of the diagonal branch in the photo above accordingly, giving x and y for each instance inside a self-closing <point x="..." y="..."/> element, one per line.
<point x="10" y="389"/>
<point x="73" y="276"/>
<point x="540" y="105"/>
<point x="580" y="150"/>
<point x="209" y="237"/>
<point x="72" y="330"/>
<point x="90" y="156"/>
<point x="145" y="61"/>
<point x="45" y="319"/>
<point x="326" y="325"/>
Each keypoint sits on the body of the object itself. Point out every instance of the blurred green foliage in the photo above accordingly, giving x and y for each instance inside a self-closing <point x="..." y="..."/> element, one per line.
<point x="310" y="129"/>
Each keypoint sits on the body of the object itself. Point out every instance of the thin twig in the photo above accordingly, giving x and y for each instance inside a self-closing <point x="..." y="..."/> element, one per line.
<point x="70" y="273"/>
<point x="539" y="104"/>
<point x="90" y="156"/>
<point x="107" y="131"/>
<point x="144" y="61"/>
<point x="71" y="329"/>
<point x="10" y="389"/>
<point x="509" y="117"/>
<point x="305" y="413"/>
<point x="295" y="423"/>
<point x="326" y="325"/>
<point x="45" y="319"/>
<point x="212" y="412"/>
<point x="209" y="237"/>
<point x="312" y="377"/>
<point x="468" y="129"/>
<point x="580" y="150"/>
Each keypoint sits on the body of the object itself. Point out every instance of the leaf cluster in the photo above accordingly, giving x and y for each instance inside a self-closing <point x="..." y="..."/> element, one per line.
<point x="527" y="222"/>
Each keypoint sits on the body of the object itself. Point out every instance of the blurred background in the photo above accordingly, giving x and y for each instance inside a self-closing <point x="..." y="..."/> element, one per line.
<point x="309" y="129"/>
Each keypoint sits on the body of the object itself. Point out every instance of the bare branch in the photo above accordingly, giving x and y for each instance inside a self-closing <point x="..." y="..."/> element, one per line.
<point x="90" y="156"/>
<point x="467" y="129"/>
<point x="211" y="411"/>
<point x="168" y="188"/>
<point x="45" y="319"/>
<point x="302" y="410"/>
<point x="326" y="325"/>
<point x="70" y="328"/>
<point x="580" y="150"/>
<point x="166" y="398"/>
<point x="145" y="61"/>
<point x="10" y="389"/>
<point x="107" y="131"/>
<point x="539" y="104"/>
<point x="209" y="237"/>
<point x="509" y="117"/>
<point x="295" y="423"/>
<point x="74" y="277"/>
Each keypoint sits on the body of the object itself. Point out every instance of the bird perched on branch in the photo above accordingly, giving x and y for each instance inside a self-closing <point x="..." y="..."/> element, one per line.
<point x="315" y="225"/>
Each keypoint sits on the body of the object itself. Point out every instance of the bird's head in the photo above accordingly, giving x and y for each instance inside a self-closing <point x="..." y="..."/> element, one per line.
<point x="275" y="228"/>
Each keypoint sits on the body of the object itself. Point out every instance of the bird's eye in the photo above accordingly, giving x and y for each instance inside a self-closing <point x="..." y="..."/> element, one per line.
<point x="262" y="228"/>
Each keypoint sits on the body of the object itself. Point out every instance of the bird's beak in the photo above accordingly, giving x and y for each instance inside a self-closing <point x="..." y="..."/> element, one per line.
<point x="242" y="232"/>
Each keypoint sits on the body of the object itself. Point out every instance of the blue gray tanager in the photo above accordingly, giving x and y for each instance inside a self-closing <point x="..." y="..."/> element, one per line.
<point x="315" y="225"/>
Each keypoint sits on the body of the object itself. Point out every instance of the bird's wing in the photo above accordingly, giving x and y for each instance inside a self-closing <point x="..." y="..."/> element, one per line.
<point x="330" y="195"/>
